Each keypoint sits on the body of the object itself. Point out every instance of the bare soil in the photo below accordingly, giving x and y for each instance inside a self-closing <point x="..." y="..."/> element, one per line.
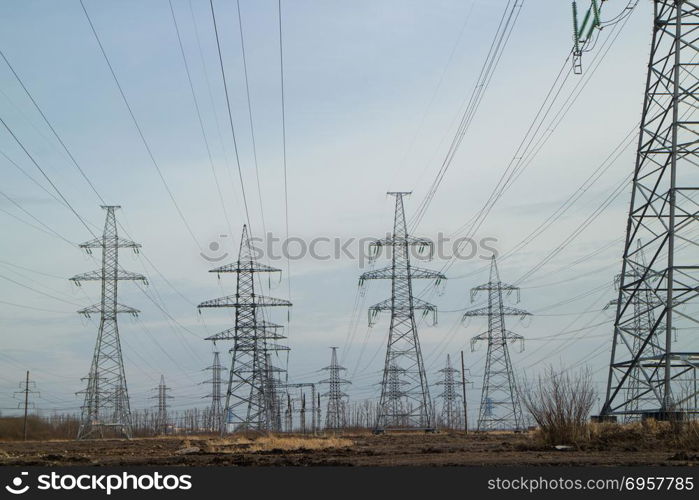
<point x="438" y="449"/>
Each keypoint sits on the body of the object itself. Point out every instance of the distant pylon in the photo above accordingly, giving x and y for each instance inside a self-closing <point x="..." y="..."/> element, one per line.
<point x="247" y="405"/>
<point x="451" y="399"/>
<point x="639" y="390"/>
<point x="161" y="417"/>
<point x="403" y="348"/>
<point x="106" y="404"/>
<point x="216" y="407"/>
<point x="500" y="405"/>
<point x="664" y="215"/>
<point x="336" y="413"/>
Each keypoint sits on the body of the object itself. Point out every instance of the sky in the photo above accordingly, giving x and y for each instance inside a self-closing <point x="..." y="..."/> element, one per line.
<point x="373" y="91"/>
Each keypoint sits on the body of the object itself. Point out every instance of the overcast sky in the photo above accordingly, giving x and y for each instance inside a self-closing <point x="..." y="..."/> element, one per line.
<point x="374" y="90"/>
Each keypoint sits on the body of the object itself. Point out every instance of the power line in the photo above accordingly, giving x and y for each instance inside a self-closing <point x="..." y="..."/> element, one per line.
<point x="138" y="128"/>
<point x="230" y="113"/>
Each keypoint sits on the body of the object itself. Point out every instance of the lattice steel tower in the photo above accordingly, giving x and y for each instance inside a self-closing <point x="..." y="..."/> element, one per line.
<point x="664" y="215"/>
<point x="106" y="403"/>
<point x="500" y="405"/>
<point x="638" y="392"/>
<point x="336" y="413"/>
<point x="249" y="401"/>
<point x="161" y="418"/>
<point x="451" y="399"/>
<point x="216" y="407"/>
<point x="403" y="349"/>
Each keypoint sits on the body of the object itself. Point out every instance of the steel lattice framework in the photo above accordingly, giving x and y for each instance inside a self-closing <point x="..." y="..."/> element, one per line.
<point x="106" y="403"/>
<point x="250" y="400"/>
<point x="660" y="278"/>
<point x="161" y="417"/>
<point x="407" y="405"/>
<point x="500" y="405"/>
<point x="451" y="399"/>
<point x="336" y="413"/>
<point x="637" y="392"/>
<point x="216" y="407"/>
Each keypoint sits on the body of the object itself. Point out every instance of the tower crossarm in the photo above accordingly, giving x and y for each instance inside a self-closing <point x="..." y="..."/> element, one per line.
<point x="234" y="301"/>
<point x="245" y="267"/>
<point x="100" y="243"/>
<point x="402" y="240"/>
<point x="506" y="311"/>
<point x="97" y="275"/>
<point x="404" y="273"/>
<point x="505" y="337"/>
<point x="389" y="305"/>
<point x="97" y="309"/>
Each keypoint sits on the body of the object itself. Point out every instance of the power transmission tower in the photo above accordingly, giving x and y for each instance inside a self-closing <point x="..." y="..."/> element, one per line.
<point x="106" y="404"/>
<point x="315" y="406"/>
<point x="638" y="392"/>
<point x="247" y="405"/>
<point x="161" y="422"/>
<point x="403" y="348"/>
<point x="664" y="215"/>
<point x="25" y="389"/>
<point x="216" y="408"/>
<point x="451" y="400"/>
<point x="336" y="414"/>
<point x="500" y="406"/>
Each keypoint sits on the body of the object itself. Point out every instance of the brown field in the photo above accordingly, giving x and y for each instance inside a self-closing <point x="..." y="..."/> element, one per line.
<point x="353" y="449"/>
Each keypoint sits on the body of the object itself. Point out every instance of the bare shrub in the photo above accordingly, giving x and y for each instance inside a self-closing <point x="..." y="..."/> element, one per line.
<point x="560" y="404"/>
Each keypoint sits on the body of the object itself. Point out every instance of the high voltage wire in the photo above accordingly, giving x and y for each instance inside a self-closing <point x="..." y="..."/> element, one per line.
<point x="199" y="118"/>
<point x="497" y="47"/>
<point x="53" y="131"/>
<point x="230" y="113"/>
<point x="252" y="127"/>
<point x="45" y="175"/>
<point x="138" y="128"/>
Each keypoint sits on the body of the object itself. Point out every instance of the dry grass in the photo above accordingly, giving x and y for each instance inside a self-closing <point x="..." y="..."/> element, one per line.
<point x="238" y="444"/>
<point x="646" y="434"/>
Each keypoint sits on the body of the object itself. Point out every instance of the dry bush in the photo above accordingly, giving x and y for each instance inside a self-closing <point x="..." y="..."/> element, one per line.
<point x="560" y="404"/>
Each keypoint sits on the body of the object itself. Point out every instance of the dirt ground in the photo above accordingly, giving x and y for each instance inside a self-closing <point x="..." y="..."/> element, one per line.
<point x="360" y="449"/>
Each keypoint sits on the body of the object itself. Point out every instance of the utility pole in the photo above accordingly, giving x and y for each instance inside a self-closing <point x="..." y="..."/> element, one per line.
<point x="106" y="404"/>
<point x="26" y="388"/>
<point x="500" y="406"/>
<point x="335" y="416"/>
<point x="403" y="354"/>
<point x="664" y="216"/>
<point x="162" y="396"/>
<point x="247" y="405"/>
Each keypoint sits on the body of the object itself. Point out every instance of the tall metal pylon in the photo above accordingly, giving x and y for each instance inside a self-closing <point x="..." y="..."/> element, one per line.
<point x="336" y="413"/>
<point x="403" y="348"/>
<point x="216" y="396"/>
<point x="663" y="215"/>
<point x="161" y="417"/>
<point x="247" y="405"/>
<point x="500" y="405"/>
<point x="106" y="403"/>
<point x="451" y="399"/>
